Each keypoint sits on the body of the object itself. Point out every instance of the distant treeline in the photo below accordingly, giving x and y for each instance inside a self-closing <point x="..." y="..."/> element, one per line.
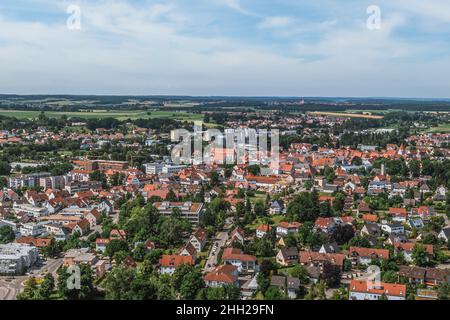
<point x="292" y="104"/>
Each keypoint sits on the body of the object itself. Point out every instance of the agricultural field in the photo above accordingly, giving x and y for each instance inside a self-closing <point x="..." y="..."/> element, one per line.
<point x="347" y="115"/>
<point x="441" y="128"/>
<point x="96" y="114"/>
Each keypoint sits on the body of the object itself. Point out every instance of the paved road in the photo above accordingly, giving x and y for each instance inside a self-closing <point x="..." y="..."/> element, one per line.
<point x="11" y="286"/>
<point x="221" y="239"/>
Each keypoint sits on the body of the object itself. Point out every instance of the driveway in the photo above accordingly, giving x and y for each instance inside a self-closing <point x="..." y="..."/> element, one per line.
<point x="221" y="239"/>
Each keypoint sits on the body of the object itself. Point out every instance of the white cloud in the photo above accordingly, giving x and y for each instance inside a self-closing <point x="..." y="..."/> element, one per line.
<point x="236" y="5"/>
<point x="129" y="49"/>
<point x="276" y="22"/>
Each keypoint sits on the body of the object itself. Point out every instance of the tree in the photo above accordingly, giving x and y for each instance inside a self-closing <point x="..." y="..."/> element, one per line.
<point x="53" y="249"/>
<point x="317" y="291"/>
<point x="390" y="277"/>
<point x="5" y="168"/>
<point x="98" y="176"/>
<point x="414" y="168"/>
<point x="308" y="184"/>
<point x="30" y="290"/>
<point x="170" y="231"/>
<point x="254" y="169"/>
<point x="331" y="274"/>
<point x="71" y="292"/>
<point x="124" y="283"/>
<point x="360" y="241"/>
<point x="447" y="204"/>
<point x="290" y="240"/>
<point x="260" y="208"/>
<point x="180" y="272"/>
<point x="315" y="239"/>
<point x="115" y="246"/>
<point x="304" y="207"/>
<point x="419" y="255"/>
<point x="299" y="271"/>
<point x="340" y="294"/>
<point x="263" y="282"/>
<point x="7" y="234"/>
<point x="262" y="247"/>
<point x="343" y="233"/>
<point x="191" y="284"/>
<point x="171" y="196"/>
<point x="214" y="179"/>
<point x="329" y="174"/>
<point x="444" y="291"/>
<point x="274" y="293"/>
<point x="357" y="161"/>
<point x="338" y="202"/>
<point x="47" y="286"/>
<point x="139" y="252"/>
<point x="226" y="292"/>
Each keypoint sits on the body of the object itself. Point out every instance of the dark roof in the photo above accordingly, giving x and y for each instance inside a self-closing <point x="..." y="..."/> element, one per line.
<point x="286" y="252"/>
<point x="446" y="231"/>
<point x="424" y="273"/>
<point x="293" y="283"/>
<point x="331" y="247"/>
<point x="278" y="281"/>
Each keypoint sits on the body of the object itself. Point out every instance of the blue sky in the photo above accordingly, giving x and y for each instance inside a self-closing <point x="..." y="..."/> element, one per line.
<point x="226" y="47"/>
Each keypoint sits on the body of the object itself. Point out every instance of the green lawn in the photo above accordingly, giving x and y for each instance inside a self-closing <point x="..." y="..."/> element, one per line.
<point x="274" y="220"/>
<point x="120" y="115"/>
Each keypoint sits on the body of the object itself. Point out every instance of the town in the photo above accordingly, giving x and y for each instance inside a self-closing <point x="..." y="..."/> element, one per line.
<point x="349" y="193"/>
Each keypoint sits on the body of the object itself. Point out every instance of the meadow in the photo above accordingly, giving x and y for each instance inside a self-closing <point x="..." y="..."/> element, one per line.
<point x="346" y="115"/>
<point x="441" y="128"/>
<point x="97" y="114"/>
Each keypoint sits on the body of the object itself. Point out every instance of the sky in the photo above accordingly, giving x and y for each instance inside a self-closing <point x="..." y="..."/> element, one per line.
<point x="298" y="48"/>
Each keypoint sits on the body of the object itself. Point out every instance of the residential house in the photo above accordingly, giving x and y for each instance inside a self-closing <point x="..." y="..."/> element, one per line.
<point x="262" y="230"/>
<point x="168" y="263"/>
<point x="406" y="248"/>
<point x="284" y="228"/>
<point x="427" y="276"/>
<point x="222" y="275"/>
<point x="244" y="262"/>
<point x="101" y="244"/>
<point x="287" y="256"/>
<point x="393" y="228"/>
<point x="288" y="285"/>
<point x="362" y="290"/>
<point x="317" y="259"/>
<point x="198" y="239"/>
<point x="366" y="255"/>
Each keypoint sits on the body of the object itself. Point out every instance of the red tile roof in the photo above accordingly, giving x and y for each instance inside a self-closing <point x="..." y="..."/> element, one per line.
<point x="390" y="289"/>
<point x="367" y="252"/>
<point x="175" y="260"/>
<point x="236" y="254"/>
<point x="223" y="273"/>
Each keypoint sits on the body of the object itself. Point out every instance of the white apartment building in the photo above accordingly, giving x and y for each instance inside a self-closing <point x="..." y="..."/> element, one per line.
<point x="32" y="229"/>
<point x="30" y="210"/>
<point x="16" y="258"/>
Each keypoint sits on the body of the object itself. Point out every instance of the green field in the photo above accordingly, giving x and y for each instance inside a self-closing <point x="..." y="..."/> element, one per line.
<point x="441" y="128"/>
<point x="96" y="114"/>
